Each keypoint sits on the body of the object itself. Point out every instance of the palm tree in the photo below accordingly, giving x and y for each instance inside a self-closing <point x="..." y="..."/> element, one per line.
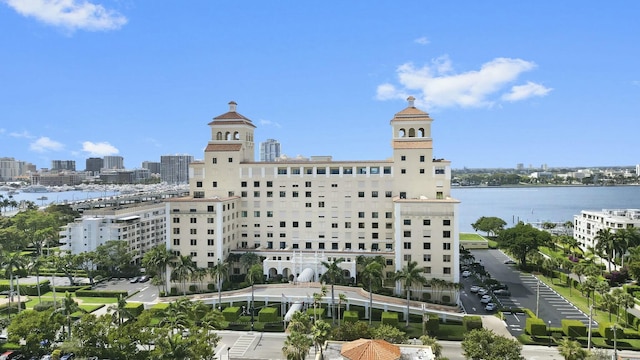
<point x="69" y="306"/>
<point x="157" y="259"/>
<point x="588" y="287"/>
<point x="602" y="287"/>
<point x="371" y="273"/>
<point x="626" y="239"/>
<point x="433" y="343"/>
<point x="12" y="262"/>
<point x="317" y="298"/>
<point x="35" y="265"/>
<point x="608" y="303"/>
<point x="198" y="275"/>
<point x="300" y="322"/>
<point x="623" y="300"/>
<point x="410" y="274"/>
<point x="296" y="346"/>
<point x="120" y="311"/>
<point x="320" y="333"/>
<point x="183" y="267"/>
<point x="572" y="350"/>
<point x="248" y="259"/>
<point x="219" y="271"/>
<point x="332" y="275"/>
<point x="606" y="244"/>
<point x="254" y="275"/>
<point x="341" y="298"/>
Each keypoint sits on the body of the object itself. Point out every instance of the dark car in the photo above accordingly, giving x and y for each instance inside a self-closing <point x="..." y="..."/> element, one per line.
<point x="509" y="262"/>
<point x="502" y="292"/>
<point x="143" y="278"/>
<point x="69" y="356"/>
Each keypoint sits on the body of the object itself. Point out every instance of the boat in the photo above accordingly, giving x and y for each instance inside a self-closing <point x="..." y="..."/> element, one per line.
<point x="43" y="198"/>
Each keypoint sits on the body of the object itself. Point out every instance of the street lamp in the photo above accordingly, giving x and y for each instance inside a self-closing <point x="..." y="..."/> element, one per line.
<point x="549" y="333"/>
<point x="615" y="341"/>
<point x="590" y="322"/>
<point x="228" y="356"/>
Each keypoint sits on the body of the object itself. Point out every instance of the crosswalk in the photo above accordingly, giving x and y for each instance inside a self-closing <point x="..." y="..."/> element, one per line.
<point x="242" y="345"/>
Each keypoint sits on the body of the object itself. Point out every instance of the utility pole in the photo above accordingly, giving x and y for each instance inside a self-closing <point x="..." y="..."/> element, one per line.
<point x="537" y="297"/>
<point x="590" y="321"/>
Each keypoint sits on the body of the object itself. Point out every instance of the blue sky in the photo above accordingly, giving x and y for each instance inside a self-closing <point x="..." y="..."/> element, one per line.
<point x="507" y="82"/>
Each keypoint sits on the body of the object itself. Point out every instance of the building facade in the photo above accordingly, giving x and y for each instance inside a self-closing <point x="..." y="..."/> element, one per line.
<point x="588" y="223"/>
<point x="62" y="165"/>
<point x="269" y="150"/>
<point x="153" y="166"/>
<point x="12" y="169"/>
<point x="174" y="169"/>
<point x="113" y="162"/>
<point x="141" y="225"/>
<point x="94" y="165"/>
<point x="297" y="213"/>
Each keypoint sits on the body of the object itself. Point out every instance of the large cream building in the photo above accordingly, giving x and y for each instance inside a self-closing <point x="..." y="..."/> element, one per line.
<point x="299" y="212"/>
<point x="589" y="222"/>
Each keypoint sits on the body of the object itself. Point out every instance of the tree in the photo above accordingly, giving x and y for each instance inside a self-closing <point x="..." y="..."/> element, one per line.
<point x="12" y="262"/>
<point x="626" y="239"/>
<point x="34" y="266"/>
<point x="623" y="300"/>
<point x="34" y="328"/>
<point x="389" y="334"/>
<point x="485" y="344"/>
<point x="522" y="240"/>
<point x="248" y="259"/>
<point x="120" y="311"/>
<point x="219" y="271"/>
<point x="69" y="306"/>
<point x="320" y="333"/>
<point x="349" y="331"/>
<point x="606" y="244"/>
<point x="572" y="350"/>
<point x="156" y="261"/>
<point x="432" y="342"/>
<point x="296" y="346"/>
<point x="254" y="275"/>
<point x="332" y="275"/>
<point x="300" y="322"/>
<point x="491" y="225"/>
<point x="371" y="274"/>
<point x="115" y="258"/>
<point x="342" y="298"/>
<point x="183" y="267"/>
<point x="410" y="274"/>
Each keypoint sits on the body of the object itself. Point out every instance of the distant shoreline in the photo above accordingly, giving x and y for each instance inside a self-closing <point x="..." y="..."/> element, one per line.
<point x="535" y="186"/>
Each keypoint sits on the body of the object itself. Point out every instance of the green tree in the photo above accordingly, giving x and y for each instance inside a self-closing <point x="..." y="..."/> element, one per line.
<point x="481" y="344"/>
<point x="120" y="312"/>
<point x="389" y="334"/>
<point x="254" y="276"/>
<point x="349" y="331"/>
<point x="606" y="245"/>
<point x="35" y="265"/>
<point x="491" y="225"/>
<point x="320" y="333"/>
<point x="333" y="274"/>
<point x="623" y="300"/>
<point x="115" y="258"/>
<point x="219" y="271"/>
<point x="371" y="274"/>
<point x="155" y="262"/>
<point x="300" y="322"/>
<point x="410" y="275"/>
<point x="34" y="328"/>
<point x="12" y="262"/>
<point x="432" y="342"/>
<point x="572" y="350"/>
<point x="522" y="240"/>
<point x="183" y="267"/>
<point x="248" y="259"/>
<point x="68" y="308"/>
<point x="297" y="346"/>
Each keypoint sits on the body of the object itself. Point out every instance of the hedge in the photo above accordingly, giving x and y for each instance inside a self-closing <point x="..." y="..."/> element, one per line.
<point x="135" y="308"/>
<point x="102" y="293"/>
<point x="535" y="327"/>
<point x="350" y="316"/>
<point x="72" y="289"/>
<point x="606" y="331"/>
<point x="472" y="322"/>
<point x="390" y="318"/>
<point x="27" y="289"/>
<point x="432" y="325"/>
<point x="231" y="313"/>
<point x="319" y="312"/>
<point x="573" y="328"/>
<point x="268" y="314"/>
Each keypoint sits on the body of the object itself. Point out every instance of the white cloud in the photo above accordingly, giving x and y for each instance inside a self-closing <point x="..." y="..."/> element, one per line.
<point x="270" y="123"/>
<point x="44" y="144"/>
<point x="521" y="92"/>
<point x="421" y="40"/>
<point x="25" y="134"/>
<point x="70" y="14"/>
<point x="438" y="85"/>
<point x="99" y="149"/>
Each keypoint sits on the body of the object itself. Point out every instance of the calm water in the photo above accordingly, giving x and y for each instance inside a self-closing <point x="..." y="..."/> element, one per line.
<point x="556" y="204"/>
<point x="58" y="197"/>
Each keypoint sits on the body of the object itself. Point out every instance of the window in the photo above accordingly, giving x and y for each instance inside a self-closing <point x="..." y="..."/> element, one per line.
<point x="426" y="246"/>
<point x="360" y="194"/>
<point x="374" y="215"/>
<point x="386" y="170"/>
<point x="230" y="160"/>
<point x="389" y="247"/>
<point x="215" y="160"/>
<point x="403" y="171"/>
<point x="439" y="170"/>
<point x="193" y="220"/>
<point x="426" y="222"/>
<point x="210" y="209"/>
<point x="374" y="194"/>
<point x="407" y="245"/>
<point x="308" y="224"/>
<point x="307" y="194"/>
<point x="193" y="231"/>
<point x="407" y="257"/>
<point x="307" y="245"/>
<point x="446" y="234"/>
<point x="321" y="246"/>
<point x="256" y="214"/>
<point x="347" y="246"/>
<point x="446" y="246"/>
<point x="308" y="205"/>
<point x="243" y="184"/>
<point x="426" y="257"/>
<point x="374" y="225"/>
<point x="421" y="158"/>
<point x="215" y="184"/>
<point x="361" y="214"/>
<point x="421" y="171"/>
<point x="388" y="215"/>
<point x="283" y="194"/>
<point x="321" y="204"/>
<point x="243" y="193"/>
<point x="403" y="195"/>
<point x="256" y="184"/>
<point x="210" y="231"/>
<point x="446" y="270"/>
<point x="446" y="258"/>
<point x="427" y="270"/>
<point x="269" y="183"/>
<point x="282" y="171"/>
<point x="307" y="184"/>
<point x="282" y="235"/>
<point x="198" y="183"/>
<point x="283" y="223"/>
<point x="269" y="213"/>
<point x="193" y="242"/>
<point x="387" y="194"/>
<point x="243" y="213"/>
<point x="361" y="225"/>
<point x="388" y="226"/>
<point x="446" y="222"/>
<point x="295" y="194"/>
<point x="334" y="246"/>
<point x="403" y="158"/>
<point x="361" y="246"/>
<point x="407" y="233"/>
<point x="210" y="242"/>
<point x="176" y="220"/>
<point x="347" y="225"/>
<point x="334" y="225"/>
<point x="176" y="231"/>
<point x="269" y="193"/>
<point x="176" y="242"/>
<point x="295" y="224"/>
<point x="407" y="221"/>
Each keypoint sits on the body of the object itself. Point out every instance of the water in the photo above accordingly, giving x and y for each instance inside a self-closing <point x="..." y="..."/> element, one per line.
<point x="58" y="197"/>
<point x="540" y="204"/>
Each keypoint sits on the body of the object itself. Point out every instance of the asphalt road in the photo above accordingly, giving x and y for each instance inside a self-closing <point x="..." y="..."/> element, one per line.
<point x="526" y="292"/>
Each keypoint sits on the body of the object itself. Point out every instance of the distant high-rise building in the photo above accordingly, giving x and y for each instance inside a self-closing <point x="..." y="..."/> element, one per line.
<point x="153" y="166"/>
<point x="94" y="165"/>
<point x="174" y="169"/>
<point x="57" y="165"/>
<point x="113" y="162"/>
<point x="269" y="150"/>
<point x="520" y="166"/>
<point x="11" y="168"/>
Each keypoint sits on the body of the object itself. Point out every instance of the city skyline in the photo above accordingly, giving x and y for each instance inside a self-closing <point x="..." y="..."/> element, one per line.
<point x="539" y="83"/>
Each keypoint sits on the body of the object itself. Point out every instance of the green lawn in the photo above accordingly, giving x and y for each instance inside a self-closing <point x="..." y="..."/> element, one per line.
<point x="471" y="237"/>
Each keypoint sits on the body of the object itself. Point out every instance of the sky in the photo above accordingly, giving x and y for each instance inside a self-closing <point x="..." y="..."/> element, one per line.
<point x="506" y="82"/>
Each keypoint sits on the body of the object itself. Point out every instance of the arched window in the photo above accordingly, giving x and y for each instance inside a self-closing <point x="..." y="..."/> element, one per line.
<point x="421" y="132"/>
<point x="219" y="136"/>
<point x="236" y="135"/>
<point x="412" y="132"/>
<point x="401" y="133"/>
<point x="227" y="136"/>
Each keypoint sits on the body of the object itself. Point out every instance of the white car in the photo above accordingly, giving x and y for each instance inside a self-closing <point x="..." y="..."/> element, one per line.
<point x="485" y="299"/>
<point x="491" y="306"/>
<point x="466" y="273"/>
<point x="474" y="288"/>
<point x="482" y="291"/>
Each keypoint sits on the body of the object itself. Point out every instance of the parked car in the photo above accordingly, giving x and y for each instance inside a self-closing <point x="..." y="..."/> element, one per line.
<point x="509" y="262"/>
<point x="466" y="273"/>
<point x="9" y="355"/>
<point x="474" y="288"/>
<point x="134" y="280"/>
<point x="491" y="306"/>
<point x="482" y="291"/>
<point x="501" y="292"/>
<point x="485" y="300"/>
<point x="69" y="356"/>
<point x="143" y="278"/>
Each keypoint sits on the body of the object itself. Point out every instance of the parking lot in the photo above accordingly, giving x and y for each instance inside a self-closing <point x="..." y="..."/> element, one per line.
<point x="525" y="292"/>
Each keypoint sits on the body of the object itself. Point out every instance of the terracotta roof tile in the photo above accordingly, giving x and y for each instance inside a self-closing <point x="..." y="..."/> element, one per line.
<point x="367" y="349"/>
<point x="223" y="147"/>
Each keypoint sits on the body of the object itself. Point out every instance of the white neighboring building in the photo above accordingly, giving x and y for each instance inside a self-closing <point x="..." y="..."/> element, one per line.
<point x="589" y="222"/>
<point x="141" y="225"/>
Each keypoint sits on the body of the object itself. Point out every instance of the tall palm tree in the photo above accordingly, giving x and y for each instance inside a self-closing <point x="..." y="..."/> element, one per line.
<point x="433" y="343"/>
<point x="410" y="274"/>
<point x="157" y="259"/>
<point x="608" y="303"/>
<point x="34" y="266"/>
<point x="219" y="271"/>
<point x="626" y="239"/>
<point x="297" y="346"/>
<point x="12" y="262"/>
<point x="198" y="275"/>
<point x="69" y="307"/>
<point x="371" y="274"/>
<point x="317" y="299"/>
<point x="606" y="244"/>
<point x="320" y="333"/>
<point x="254" y="275"/>
<point x="341" y="298"/>
<point x="248" y="259"/>
<point x="332" y="275"/>
<point x="120" y="311"/>
<point x="602" y="287"/>
<point x="623" y="300"/>
<point x="183" y="267"/>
